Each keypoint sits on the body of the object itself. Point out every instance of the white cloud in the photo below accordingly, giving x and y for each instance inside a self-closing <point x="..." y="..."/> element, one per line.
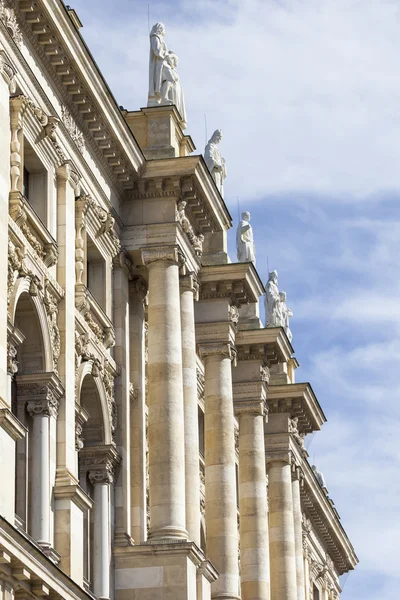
<point x="307" y="94"/>
<point x="307" y="90"/>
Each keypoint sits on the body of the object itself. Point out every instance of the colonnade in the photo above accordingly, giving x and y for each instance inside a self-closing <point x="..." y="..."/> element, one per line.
<point x="270" y="547"/>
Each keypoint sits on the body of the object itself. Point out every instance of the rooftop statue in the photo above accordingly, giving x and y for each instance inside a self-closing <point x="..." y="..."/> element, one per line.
<point x="164" y="83"/>
<point x="214" y="161"/>
<point x="244" y="240"/>
<point x="171" y="89"/>
<point x="286" y="313"/>
<point x="320" y="478"/>
<point x="158" y="52"/>
<point x="276" y="311"/>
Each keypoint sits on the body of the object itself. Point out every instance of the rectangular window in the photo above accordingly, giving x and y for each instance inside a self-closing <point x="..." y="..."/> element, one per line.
<point x="34" y="182"/>
<point x="96" y="273"/>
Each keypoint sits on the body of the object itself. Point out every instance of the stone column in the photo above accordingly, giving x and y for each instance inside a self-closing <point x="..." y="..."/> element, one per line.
<point x="122" y="398"/>
<point x="298" y="530"/>
<point x="281" y="529"/>
<point x="67" y="180"/>
<point x="100" y="463"/>
<point x="221" y="507"/>
<point x="254" y="546"/>
<point x="189" y="291"/>
<point x="42" y="405"/>
<point x="137" y="295"/>
<point x="165" y="402"/>
<point x="101" y="533"/>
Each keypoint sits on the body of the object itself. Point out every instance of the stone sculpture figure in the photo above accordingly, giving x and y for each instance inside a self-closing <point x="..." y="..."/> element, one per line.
<point x="214" y="161"/>
<point x="320" y="478"/>
<point x="286" y="313"/>
<point x="273" y="301"/>
<point x="158" y="53"/>
<point x="171" y="89"/>
<point x="245" y="241"/>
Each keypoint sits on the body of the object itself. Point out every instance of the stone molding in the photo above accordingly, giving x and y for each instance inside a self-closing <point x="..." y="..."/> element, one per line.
<point x="41" y="392"/>
<point x="100" y="462"/>
<point x="68" y="172"/>
<point x="9" y="422"/>
<point x="160" y="253"/>
<point x="8" y="71"/>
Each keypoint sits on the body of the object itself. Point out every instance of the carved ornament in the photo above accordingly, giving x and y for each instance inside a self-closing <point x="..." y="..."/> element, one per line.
<point x="7" y="16"/>
<point x="160" y="253"/>
<point x="7" y="71"/>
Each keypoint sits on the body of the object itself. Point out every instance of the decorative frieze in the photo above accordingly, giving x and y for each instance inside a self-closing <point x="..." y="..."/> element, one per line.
<point x="72" y="128"/>
<point x="108" y="380"/>
<point x="50" y="301"/>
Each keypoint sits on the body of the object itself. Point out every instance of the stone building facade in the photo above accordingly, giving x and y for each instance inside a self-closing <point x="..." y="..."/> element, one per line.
<point x="151" y="430"/>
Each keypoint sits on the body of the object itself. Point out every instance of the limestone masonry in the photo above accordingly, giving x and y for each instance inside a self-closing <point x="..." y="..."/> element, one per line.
<point x="151" y="429"/>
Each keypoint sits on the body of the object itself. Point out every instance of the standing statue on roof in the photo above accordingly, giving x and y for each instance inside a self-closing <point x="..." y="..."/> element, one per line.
<point x="276" y="312"/>
<point x="319" y="477"/>
<point x="158" y="52"/>
<point x="245" y="240"/>
<point x="164" y="83"/>
<point x="214" y="161"/>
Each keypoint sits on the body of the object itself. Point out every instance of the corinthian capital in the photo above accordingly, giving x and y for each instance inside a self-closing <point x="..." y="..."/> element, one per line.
<point x="99" y="462"/>
<point x="160" y="253"/>
<point x="42" y="392"/>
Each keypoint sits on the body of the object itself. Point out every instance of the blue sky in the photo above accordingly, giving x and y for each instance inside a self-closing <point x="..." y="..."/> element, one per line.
<point x="307" y="94"/>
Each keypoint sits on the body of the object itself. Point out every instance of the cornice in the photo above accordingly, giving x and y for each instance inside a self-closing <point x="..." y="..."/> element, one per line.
<point x="89" y="101"/>
<point x="270" y="342"/>
<point x="197" y="188"/>
<point x="238" y="281"/>
<point x="299" y="400"/>
<point x="325" y="519"/>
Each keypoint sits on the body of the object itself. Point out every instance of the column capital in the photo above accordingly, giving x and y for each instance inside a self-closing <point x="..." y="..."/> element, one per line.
<point x="250" y="407"/>
<point x="221" y="349"/>
<point x="8" y="71"/>
<point x="160" y="253"/>
<point x="190" y="283"/>
<point x="41" y="391"/>
<point x="100" y="462"/>
<point x="277" y="456"/>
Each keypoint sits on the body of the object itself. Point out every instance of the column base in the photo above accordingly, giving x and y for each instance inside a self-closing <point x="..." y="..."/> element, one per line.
<point x="166" y="534"/>
<point x="121" y="538"/>
<point x="175" y="570"/>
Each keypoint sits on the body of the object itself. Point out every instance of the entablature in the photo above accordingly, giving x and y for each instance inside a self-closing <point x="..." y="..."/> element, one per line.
<point x="299" y="400"/>
<point x="237" y="281"/>
<point x="188" y="179"/>
<point x="270" y="344"/>
<point x="319" y="508"/>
